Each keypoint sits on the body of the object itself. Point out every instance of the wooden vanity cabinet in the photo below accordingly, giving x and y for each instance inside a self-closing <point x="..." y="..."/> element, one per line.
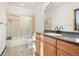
<point x="45" y="46"/>
<point x="69" y="48"/>
<point x="49" y="40"/>
<point x="62" y="53"/>
<point x="48" y="50"/>
<point x="39" y="45"/>
<point x="49" y="46"/>
<point x="38" y="38"/>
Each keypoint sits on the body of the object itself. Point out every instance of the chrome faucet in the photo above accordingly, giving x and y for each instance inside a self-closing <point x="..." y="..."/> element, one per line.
<point x="58" y="29"/>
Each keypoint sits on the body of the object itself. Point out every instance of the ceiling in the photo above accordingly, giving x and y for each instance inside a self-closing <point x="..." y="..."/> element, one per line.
<point x="30" y="5"/>
<point x="53" y="5"/>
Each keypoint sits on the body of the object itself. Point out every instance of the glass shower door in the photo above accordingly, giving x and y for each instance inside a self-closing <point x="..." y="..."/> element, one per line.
<point x="26" y="26"/>
<point x="13" y="26"/>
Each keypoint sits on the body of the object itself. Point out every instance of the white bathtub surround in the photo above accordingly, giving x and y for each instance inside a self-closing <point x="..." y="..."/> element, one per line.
<point x="20" y="47"/>
<point x="18" y="41"/>
<point x="21" y="50"/>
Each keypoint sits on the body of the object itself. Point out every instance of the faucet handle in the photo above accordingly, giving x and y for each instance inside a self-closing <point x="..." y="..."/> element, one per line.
<point x="61" y="27"/>
<point x="56" y="28"/>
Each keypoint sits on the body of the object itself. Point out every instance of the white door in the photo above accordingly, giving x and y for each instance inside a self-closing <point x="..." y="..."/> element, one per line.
<point x="3" y="15"/>
<point x="2" y="37"/>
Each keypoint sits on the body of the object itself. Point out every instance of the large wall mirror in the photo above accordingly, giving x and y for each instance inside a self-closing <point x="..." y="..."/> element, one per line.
<point x="47" y="23"/>
<point x="76" y="19"/>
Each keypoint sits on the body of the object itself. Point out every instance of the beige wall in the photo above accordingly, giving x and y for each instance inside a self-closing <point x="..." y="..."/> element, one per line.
<point x="39" y="18"/>
<point x="15" y="10"/>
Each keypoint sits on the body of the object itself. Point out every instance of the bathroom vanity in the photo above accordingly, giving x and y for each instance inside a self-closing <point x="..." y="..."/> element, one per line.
<point x="56" y="45"/>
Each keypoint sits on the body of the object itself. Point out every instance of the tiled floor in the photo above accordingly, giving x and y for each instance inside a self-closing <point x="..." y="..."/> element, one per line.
<point x="21" y="50"/>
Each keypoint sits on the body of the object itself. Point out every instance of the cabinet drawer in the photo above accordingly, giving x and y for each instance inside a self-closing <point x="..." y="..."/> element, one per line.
<point x="50" y="40"/>
<point x="68" y="47"/>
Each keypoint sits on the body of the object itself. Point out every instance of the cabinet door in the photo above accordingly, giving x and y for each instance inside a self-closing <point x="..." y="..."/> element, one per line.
<point x="68" y="47"/>
<point x="49" y="50"/>
<point x="38" y="47"/>
<point x="52" y="50"/>
<point x="61" y="53"/>
<point x="45" y="49"/>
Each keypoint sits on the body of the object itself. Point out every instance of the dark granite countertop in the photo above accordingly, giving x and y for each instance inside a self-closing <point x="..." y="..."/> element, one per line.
<point x="73" y="40"/>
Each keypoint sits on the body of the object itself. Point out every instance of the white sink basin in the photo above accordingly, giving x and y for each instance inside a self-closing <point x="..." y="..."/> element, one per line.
<point x="53" y="34"/>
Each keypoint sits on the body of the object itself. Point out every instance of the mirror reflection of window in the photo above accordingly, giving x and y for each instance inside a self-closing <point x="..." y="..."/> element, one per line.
<point x="47" y="23"/>
<point x="77" y="19"/>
